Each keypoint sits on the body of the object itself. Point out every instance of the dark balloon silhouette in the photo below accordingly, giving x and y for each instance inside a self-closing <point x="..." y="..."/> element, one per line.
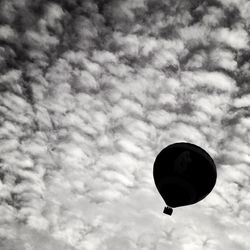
<point x="184" y="174"/>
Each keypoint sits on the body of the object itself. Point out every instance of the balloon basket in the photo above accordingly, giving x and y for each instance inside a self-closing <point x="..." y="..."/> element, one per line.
<point x="168" y="210"/>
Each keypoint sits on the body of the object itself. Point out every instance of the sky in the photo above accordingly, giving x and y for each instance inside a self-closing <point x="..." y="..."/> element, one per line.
<point x="91" y="91"/>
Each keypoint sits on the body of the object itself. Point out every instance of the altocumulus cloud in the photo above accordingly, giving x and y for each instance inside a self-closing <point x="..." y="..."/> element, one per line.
<point x="91" y="91"/>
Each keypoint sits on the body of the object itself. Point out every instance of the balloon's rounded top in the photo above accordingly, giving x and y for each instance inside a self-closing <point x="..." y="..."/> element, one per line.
<point x="184" y="174"/>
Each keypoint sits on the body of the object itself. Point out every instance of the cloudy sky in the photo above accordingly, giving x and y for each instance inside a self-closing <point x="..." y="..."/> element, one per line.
<point x="91" y="91"/>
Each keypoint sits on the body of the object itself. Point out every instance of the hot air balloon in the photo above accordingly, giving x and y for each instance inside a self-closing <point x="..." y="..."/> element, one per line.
<point x="184" y="174"/>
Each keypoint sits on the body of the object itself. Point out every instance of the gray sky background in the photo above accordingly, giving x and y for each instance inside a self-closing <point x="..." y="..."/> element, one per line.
<point x="91" y="91"/>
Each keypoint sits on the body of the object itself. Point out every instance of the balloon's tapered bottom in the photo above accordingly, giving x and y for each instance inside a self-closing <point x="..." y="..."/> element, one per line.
<point x="168" y="210"/>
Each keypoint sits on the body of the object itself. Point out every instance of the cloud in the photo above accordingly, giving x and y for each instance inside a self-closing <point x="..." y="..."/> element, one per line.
<point x="213" y="17"/>
<point x="242" y="101"/>
<point x="90" y="92"/>
<point x="215" y="80"/>
<point x="235" y="38"/>
<point x="223" y="59"/>
<point x="195" y="35"/>
<point x="7" y="33"/>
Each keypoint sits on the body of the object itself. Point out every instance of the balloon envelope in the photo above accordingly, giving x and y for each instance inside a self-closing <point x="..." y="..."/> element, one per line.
<point x="184" y="174"/>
